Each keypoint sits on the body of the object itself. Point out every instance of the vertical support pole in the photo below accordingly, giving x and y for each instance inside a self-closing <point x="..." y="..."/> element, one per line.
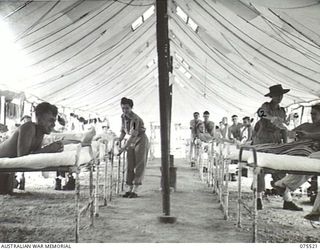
<point x="212" y="156"/>
<point x="255" y="189"/>
<point x="77" y="195"/>
<point x="226" y="190"/>
<point x="123" y="170"/>
<point x="91" y="195"/>
<point x="163" y="68"/>
<point x="222" y="179"/>
<point x="96" y="193"/>
<point x="111" y="173"/>
<point x="216" y="174"/>
<point x="118" y="175"/>
<point x="105" y="190"/>
<point x="239" y="194"/>
<point x="255" y="209"/>
<point x="2" y="110"/>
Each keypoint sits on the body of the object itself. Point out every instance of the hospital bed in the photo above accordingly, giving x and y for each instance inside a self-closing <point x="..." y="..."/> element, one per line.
<point x="283" y="163"/>
<point x="224" y="153"/>
<point x="74" y="158"/>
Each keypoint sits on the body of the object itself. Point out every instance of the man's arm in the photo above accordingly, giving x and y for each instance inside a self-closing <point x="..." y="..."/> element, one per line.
<point x="27" y="136"/>
<point x="122" y="135"/>
<point x="27" y="133"/>
<point x="307" y="135"/>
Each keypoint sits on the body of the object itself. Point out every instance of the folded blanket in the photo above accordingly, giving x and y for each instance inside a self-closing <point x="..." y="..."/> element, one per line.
<point x="299" y="148"/>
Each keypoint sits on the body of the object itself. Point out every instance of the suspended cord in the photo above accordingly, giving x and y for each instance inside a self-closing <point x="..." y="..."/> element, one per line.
<point x="135" y="84"/>
<point x="76" y="54"/>
<point x="227" y="70"/>
<point x="218" y="63"/>
<point x="299" y="7"/>
<point x="18" y="9"/>
<point x="130" y="4"/>
<point x="59" y="15"/>
<point x="224" y="26"/>
<point x="261" y="72"/>
<point x="284" y="42"/>
<point x="270" y="58"/>
<point x="116" y="74"/>
<point x="36" y="22"/>
<point x="63" y="28"/>
<point x="74" y="82"/>
<point x="300" y="32"/>
<point x="284" y="30"/>
<point x="93" y="59"/>
<point x="80" y="39"/>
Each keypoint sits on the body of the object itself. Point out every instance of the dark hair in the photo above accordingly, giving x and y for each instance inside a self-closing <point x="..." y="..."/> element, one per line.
<point x="247" y="118"/>
<point x="61" y="121"/>
<point x="316" y="106"/>
<point x="196" y="113"/>
<point x="234" y="116"/>
<point x="125" y="101"/>
<point x="206" y="112"/>
<point x="46" y="107"/>
<point x="25" y="116"/>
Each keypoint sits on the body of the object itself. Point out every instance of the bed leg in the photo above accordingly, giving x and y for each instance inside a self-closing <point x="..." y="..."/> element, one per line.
<point x="222" y="180"/>
<point x="77" y="206"/>
<point x="239" y="194"/>
<point x="118" y="175"/>
<point x="105" y="190"/>
<point x="96" y="195"/>
<point x="226" y="191"/>
<point x="209" y="170"/>
<point x="77" y="195"/>
<point x="91" y="196"/>
<point x="111" y="179"/>
<point x="255" y="210"/>
<point x="255" y="189"/>
<point x="216" y="173"/>
<point x="123" y="170"/>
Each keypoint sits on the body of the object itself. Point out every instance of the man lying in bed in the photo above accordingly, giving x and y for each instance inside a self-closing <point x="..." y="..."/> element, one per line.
<point x="27" y="139"/>
<point x="308" y="136"/>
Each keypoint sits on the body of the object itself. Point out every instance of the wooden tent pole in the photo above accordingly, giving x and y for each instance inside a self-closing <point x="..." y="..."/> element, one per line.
<point x="163" y="68"/>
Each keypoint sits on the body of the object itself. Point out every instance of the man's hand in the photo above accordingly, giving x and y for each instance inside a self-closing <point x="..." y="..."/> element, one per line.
<point x="53" y="147"/>
<point x="120" y="151"/>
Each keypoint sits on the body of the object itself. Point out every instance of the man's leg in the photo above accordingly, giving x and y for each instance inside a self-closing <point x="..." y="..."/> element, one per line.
<point x="315" y="213"/>
<point x="141" y="158"/>
<point x="261" y="188"/>
<point x="290" y="183"/>
<point x="130" y="171"/>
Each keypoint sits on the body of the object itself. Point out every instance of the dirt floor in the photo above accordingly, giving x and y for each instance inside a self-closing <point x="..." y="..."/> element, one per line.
<point x="41" y="214"/>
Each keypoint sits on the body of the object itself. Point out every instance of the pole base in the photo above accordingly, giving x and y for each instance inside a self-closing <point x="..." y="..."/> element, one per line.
<point x="167" y="219"/>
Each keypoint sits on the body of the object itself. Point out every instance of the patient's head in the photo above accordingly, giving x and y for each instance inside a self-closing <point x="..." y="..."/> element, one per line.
<point x="46" y="114"/>
<point x="126" y="105"/>
<point x="315" y="113"/>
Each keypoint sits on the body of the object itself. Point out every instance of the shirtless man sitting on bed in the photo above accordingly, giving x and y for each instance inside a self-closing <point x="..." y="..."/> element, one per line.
<point x="306" y="131"/>
<point x="27" y="139"/>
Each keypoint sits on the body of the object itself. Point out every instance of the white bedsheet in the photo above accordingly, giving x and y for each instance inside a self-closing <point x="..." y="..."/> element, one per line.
<point x="42" y="161"/>
<point x="280" y="162"/>
<point x="287" y="162"/>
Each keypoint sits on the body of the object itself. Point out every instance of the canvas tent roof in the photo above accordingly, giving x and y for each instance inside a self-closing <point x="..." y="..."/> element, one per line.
<point x="84" y="54"/>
